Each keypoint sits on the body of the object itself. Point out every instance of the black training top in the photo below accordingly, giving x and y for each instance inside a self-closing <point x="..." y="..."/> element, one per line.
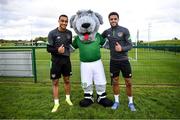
<point x="55" y="39"/>
<point x="122" y="36"/>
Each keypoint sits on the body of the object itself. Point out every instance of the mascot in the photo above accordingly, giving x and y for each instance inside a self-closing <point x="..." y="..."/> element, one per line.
<point x="86" y="24"/>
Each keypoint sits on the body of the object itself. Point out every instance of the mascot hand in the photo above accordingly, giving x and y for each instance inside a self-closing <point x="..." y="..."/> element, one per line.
<point x="71" y="48"/>
<point x="106" y="44"/>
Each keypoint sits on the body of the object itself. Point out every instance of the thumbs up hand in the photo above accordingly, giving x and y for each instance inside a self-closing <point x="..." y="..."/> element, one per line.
<point x="61" y="49"/>
<point x="118" y="47"/>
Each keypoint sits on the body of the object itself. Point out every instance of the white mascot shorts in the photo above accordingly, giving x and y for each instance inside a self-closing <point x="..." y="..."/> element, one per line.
<point x="92" y="71"/>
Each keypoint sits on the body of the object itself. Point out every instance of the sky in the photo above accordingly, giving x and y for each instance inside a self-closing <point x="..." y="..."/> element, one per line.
<point x="28" y="19"/>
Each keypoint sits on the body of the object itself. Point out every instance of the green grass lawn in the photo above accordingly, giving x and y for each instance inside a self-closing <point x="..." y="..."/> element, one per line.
<point x="34" y="101"/>
<point x="20" y="98"/>
<point x="165" y="42"/>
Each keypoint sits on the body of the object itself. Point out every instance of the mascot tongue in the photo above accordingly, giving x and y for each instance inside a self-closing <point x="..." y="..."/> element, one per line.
<point x="86" y="36"/>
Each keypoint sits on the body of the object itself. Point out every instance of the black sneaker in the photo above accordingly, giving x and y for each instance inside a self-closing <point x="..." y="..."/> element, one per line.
<point x="102" y="100"/>
<point x="86" y="102"/>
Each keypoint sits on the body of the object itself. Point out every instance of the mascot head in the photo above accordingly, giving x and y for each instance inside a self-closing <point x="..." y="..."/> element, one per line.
<point x="86" y="24"/>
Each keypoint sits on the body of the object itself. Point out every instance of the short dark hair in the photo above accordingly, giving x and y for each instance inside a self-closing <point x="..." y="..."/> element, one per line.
<point x="63" y="15"/>
<point x="113" y="13"/>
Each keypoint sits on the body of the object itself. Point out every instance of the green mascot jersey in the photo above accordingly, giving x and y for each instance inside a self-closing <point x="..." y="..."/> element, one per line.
<point x="89" y="50"/>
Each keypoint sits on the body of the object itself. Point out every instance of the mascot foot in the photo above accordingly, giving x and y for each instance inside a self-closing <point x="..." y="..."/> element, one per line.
<point x="102" y="100"/>
<point x="87" y="101"/>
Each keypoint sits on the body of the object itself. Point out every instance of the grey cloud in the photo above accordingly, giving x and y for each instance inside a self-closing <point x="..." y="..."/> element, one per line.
<point x="3" y="2"/>
<point x="42" y="23"/>
<point x="176" y="20"/>
<point x="13" y="11"/>
<point x="6" y="16"/>
<point x="168" y="15"/>
<point x="19" y="6"/>
<point x="169" y="12"/>
<point x="159" y="19"/>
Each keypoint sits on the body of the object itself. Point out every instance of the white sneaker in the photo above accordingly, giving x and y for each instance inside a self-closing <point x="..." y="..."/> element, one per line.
<point x="69" y="102"/>
<point x="55" y="108"/>
<point x="115" y="106"/>
<point x="132" y="107"/>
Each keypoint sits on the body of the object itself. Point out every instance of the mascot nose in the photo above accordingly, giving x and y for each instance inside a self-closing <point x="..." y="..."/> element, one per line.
<point x="85" y="25"/>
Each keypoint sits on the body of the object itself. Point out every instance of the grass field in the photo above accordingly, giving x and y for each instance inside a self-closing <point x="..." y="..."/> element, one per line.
<point x="166" y="42"/>
<point x="156" y="89"/>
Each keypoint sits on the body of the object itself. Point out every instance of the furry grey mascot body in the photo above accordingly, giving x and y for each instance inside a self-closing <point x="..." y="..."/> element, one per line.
<point x="86" y="24"/>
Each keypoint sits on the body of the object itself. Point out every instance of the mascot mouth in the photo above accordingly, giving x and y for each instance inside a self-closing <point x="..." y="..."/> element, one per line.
<point x="86" y="35"/>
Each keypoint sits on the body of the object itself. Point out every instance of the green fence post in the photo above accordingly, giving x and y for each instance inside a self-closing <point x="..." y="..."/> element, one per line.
<point x="34" y="64"/>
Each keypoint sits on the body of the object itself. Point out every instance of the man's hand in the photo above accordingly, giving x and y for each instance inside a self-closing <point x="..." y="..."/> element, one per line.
<point x="118" y="47"/>
<point x="61" y="49"/>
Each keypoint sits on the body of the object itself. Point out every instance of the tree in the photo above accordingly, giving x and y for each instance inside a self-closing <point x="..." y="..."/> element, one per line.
<point x="175" y="38"/>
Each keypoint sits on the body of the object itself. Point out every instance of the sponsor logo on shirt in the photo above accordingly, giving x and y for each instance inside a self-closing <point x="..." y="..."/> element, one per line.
<point x="58" y="37"/>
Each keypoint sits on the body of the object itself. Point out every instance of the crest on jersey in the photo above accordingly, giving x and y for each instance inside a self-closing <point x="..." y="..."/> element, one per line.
<point x="53" y="75"/>
<point x="120" y="34"/>
<point x="68" y="37"/>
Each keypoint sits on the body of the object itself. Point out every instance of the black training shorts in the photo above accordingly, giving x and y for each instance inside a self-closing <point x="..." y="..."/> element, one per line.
<point x="60" y="66"/>
<point x="120" y="66"/>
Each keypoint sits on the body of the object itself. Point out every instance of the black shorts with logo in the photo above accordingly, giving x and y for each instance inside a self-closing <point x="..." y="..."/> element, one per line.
<point x="120" y="66"/>
<point x="60" y="66"/>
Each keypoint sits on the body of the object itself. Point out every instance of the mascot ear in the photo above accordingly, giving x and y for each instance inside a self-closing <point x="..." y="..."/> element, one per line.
<point x="71" y="21"/>
<point x="99" y="18"/>
<point x="79" y="12"/>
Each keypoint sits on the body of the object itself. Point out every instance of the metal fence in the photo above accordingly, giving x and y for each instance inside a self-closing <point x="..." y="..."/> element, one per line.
<point x="150" y="64"/>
